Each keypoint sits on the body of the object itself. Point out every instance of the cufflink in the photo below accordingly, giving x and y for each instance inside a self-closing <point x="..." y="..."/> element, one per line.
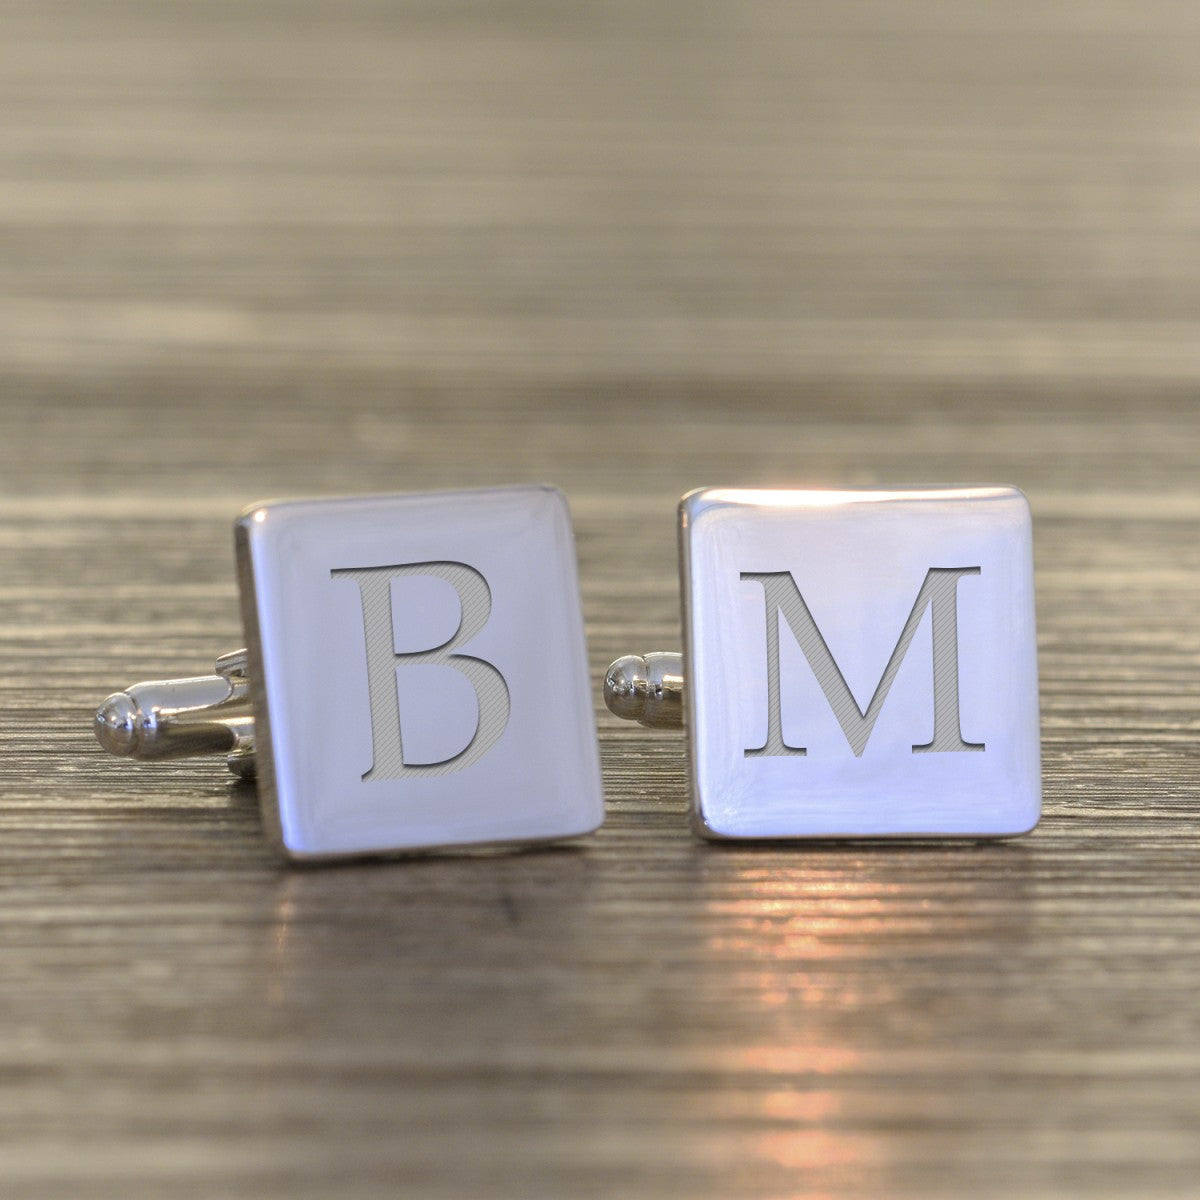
<point x="415" y="676"/>
<point x="856" y="664"/>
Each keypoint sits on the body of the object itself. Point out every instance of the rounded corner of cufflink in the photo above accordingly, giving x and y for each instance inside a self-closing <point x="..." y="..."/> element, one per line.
<point x="701" y="824"/>
<point x="592" y="824"/>
<point x="551" y="491"/>
<point x="1010" y="494"/>
<point x="252" y="515"/>
<point x="556" y="502"/>
<point x="1029" y="820"/>
<point x="694" y="503"/>
<point x="1013" y="491"/>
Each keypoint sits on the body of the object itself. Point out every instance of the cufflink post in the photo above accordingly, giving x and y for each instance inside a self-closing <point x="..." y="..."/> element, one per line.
<point x="647" y="689"/>
<point x="178" y="718"/>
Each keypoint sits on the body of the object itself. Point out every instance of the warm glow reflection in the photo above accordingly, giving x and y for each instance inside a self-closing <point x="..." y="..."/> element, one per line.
<point x="797" y="944"/>
<point x="790" y="918"/>
<point x="792" y="1059"/>
<point x="802" y="1107"/>
<point x="813" y="1149"/>
<point x="281" y="927"/>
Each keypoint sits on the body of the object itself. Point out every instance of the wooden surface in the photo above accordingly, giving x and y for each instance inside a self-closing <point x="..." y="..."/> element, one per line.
<point x="258" y="248"/>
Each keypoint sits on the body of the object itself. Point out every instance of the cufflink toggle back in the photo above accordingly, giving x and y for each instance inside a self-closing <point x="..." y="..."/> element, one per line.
<point x="391" y="696"/>
<point x="176" y="718"/>
<point x="858" y="663"/>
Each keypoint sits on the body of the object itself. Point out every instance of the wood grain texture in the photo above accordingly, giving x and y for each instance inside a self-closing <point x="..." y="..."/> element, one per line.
<point x="314" y="247"/>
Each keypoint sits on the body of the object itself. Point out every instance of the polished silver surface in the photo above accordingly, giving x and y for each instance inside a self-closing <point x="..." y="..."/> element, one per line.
<point x="860" y="663"/>
<point x="647" y="689"/>
<point x="808" y="716"/>
<point x="176" y="718"/>
<point x="398" y="651"/>
<point x="392" y="695"/>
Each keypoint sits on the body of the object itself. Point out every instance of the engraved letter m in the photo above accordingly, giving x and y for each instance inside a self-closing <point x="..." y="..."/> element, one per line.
<point x="939" y="592"/>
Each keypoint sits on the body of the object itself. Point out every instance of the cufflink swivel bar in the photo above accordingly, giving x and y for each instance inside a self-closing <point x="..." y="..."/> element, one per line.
<point x="175" y="718"/>
<point x="647" y="689"/>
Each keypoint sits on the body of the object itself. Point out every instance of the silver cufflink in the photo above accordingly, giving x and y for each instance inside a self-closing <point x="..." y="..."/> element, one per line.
<point x="856" y="663"/>
<point x="415" y="676"/>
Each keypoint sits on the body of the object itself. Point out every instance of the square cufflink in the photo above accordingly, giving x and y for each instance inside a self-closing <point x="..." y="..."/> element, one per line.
<point x="415" y="676"/>
<point x="856" y="663"/>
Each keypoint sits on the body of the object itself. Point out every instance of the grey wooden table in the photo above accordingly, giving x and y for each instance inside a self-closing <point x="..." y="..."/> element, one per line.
<point x="251" y="249"/>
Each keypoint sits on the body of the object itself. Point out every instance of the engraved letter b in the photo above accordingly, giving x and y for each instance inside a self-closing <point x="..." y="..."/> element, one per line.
<point x="491" y="690"/>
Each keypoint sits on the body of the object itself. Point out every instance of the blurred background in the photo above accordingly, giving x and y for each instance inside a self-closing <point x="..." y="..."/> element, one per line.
<point x="262" y="247"/>
<point x="392" y="215"/>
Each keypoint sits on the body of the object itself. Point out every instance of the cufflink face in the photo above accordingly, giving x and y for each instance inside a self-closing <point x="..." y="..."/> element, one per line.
<point x="418" y="671"/>
<point x="860" y="663"/>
